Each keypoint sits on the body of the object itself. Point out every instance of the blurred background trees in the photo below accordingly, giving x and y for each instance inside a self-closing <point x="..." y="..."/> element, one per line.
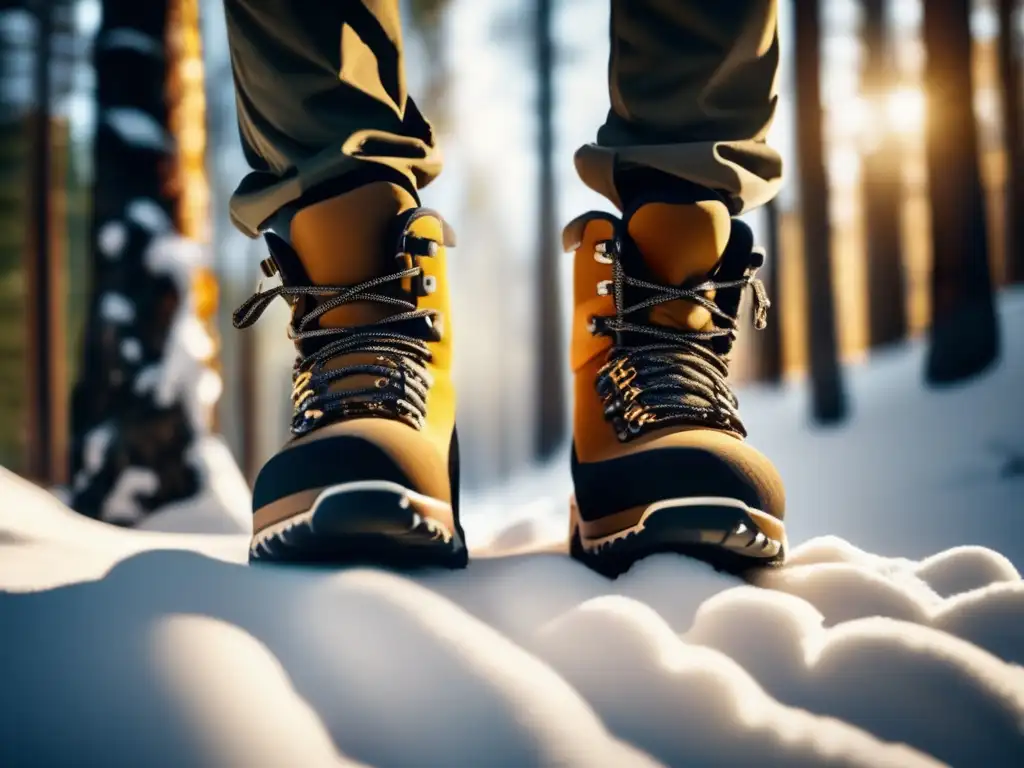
<point x="828" y="400"/>
<point x="102" y="203"/>
<point x="900" y="120"/>
<point x="129" y="313"/>
<point x="882" y="188"/>
<point x="142" y="399"/>
<point x="1011" y="80"/>
<point x="964" y="331"/>
<point x="40" y="201"/>
<point x="551" y="418"/>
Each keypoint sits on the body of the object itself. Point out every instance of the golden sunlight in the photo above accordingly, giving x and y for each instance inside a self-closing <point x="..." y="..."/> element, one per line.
<point x="905" y="110"/>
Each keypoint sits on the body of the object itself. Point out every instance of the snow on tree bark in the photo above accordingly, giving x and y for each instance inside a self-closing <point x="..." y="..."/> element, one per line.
<point x="146" y="388"/>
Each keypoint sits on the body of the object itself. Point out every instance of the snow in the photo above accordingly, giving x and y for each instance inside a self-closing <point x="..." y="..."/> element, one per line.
<point x="184" y="373"/>
<point x="135" y="647"/>
<point x="116" y="308"/>
<point x="132" y="39"/>
<point x="147" y="213"/>
<point x="135" y="128"/>
<point x="224" y="502"/>
<point x="112" y="238"/>
<point x="893" y="637"/>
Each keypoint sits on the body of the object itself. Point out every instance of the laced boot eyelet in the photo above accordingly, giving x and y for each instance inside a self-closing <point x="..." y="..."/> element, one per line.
<point x="413" y="248"/>
<point x="657" y="375"/>
<point x="268" y="267"/>
<point x="612" y="408"/>
<point x="401" y="353"/>
<point x="414" y="245"/>
<point x="306" y="421"/>
<point x="601" y="254"/>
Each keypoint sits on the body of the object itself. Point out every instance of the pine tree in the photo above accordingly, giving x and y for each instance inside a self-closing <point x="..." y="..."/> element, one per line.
<point x="828" y="398"/>
<point x="1013" y="136"/>
<point x="768" y="363"/>
<point x="551" y="413"/>
<point x="964" y="333"/>
<point x="15" y="85"/>
<point x="145" y="388"/>
<point x="882" y="188"/>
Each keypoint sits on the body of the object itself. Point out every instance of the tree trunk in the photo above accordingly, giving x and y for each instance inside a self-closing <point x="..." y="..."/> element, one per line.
<point x="44" y="272"/>
<point x="882" y="189"/>
<point x="141" y="399"/>
<point x="964" y="332"/>
<point x="14" y="210"/>
<point x="828" y="398"/>
<point x="551" y="410"/>
<point x="1013" y="137"/>
<point x="768" y="365"/>
<point x="34" y="67"/>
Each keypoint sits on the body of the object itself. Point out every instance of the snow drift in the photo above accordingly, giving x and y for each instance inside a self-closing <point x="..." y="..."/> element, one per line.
<point x="122" y="647"/>
<point x="138" y="648"/>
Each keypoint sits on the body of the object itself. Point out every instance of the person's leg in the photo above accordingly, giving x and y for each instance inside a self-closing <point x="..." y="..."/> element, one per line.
<point x="338" y="152"/>
<point x="321" y="95"/>
<point x="693" y="93"/>
<point x="659" y="462"/>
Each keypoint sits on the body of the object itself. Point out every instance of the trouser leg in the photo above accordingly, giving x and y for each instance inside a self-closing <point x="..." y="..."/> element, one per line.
<point x="692" y="86"/>
<point x="321" y="96"/>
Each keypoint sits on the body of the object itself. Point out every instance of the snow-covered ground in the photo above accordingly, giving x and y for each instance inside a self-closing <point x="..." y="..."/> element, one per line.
<point x="894" y="636"/>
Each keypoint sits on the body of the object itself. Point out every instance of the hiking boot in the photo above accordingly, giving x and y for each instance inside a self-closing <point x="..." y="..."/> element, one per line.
<point x="370" y="474"/>
<point x="659" y="461"/>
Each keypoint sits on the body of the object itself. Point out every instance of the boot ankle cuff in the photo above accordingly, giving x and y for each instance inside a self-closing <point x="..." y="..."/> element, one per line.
<point x="280" y="221"/>
<point x="638" y="186"/>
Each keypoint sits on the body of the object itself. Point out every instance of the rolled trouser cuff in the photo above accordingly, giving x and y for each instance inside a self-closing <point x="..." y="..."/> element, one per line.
<point x="746" y="173"/>
<point x="261" y="193"/>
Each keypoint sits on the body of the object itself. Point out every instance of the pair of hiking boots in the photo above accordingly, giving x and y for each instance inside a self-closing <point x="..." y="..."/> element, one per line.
<point x="371" y="473"/>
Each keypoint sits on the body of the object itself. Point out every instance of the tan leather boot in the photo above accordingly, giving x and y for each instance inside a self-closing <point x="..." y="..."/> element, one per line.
<point x="371" y="472"/>
<point x="659" y="461"/>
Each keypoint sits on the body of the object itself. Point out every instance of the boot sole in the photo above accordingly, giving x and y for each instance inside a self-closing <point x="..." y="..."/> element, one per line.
<point x="723" y="532"/>
<point x="373" y="522"/>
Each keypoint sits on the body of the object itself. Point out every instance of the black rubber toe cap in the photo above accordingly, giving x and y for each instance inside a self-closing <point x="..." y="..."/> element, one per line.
<point x="322" y="463"/>
<point x="724" y="468"/>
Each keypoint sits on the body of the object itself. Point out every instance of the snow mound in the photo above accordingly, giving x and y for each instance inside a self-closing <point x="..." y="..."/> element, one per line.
<point x="125" y="647"/>
<point x="223" y="504"/>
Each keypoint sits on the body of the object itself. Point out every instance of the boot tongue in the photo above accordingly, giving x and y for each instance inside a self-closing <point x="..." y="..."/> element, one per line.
<point x="350" y="239"/>
<point x="347" y="240"/>
<point x="680" y="243"/>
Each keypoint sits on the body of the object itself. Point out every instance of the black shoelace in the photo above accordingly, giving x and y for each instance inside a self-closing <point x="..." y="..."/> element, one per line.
<point x="402" y="381"/>
<point x="677" y="378"/>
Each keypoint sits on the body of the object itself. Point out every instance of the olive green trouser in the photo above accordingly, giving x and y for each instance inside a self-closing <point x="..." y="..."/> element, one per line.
<point x="321" y="92"/>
